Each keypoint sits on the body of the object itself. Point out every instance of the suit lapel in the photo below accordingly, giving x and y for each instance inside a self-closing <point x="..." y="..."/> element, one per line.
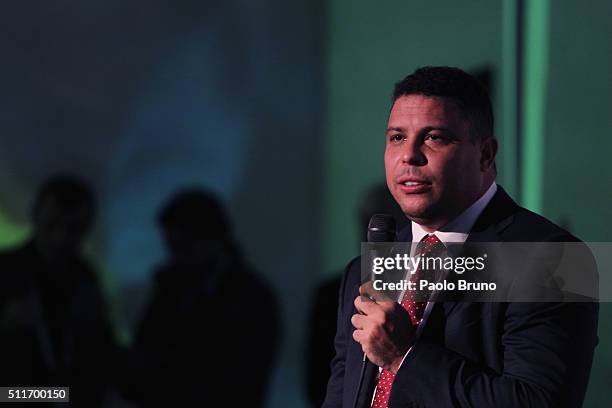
<point x="495" y="218"/>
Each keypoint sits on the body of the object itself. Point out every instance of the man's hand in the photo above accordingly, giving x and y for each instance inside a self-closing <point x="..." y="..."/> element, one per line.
<point x="384" y="331"/>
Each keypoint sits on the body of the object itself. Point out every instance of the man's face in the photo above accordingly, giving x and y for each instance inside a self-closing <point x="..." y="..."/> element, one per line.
<point x="432" y="164"/>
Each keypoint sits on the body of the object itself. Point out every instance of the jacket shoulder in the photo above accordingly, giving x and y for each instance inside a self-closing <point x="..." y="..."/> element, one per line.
<point x="529" y="226"/>
<point x="516" y="223"/>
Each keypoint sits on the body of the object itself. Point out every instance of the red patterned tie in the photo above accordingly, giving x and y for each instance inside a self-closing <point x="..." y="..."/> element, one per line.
<point x="430" y="245"/>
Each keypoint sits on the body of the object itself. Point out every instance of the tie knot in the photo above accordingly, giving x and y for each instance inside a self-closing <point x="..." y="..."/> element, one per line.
<point x="430" y="244"/>
<point x="431" y="239"/>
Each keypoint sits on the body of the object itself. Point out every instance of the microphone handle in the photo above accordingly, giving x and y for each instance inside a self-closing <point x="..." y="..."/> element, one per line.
<point x="364" y="363"/>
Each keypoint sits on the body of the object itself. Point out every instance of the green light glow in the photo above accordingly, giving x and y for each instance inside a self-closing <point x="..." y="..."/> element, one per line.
<point x="11" y="233"/>
<point x="508" y="139"/>
<point x="534" y="91"/>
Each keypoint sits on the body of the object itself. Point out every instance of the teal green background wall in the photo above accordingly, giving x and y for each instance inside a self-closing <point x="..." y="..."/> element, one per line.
<point x="577" y="170"/>
<point x="576" y="165"/>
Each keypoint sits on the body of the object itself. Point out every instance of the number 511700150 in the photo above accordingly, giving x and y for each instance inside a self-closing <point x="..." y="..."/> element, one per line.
<point x="35" y="393"/>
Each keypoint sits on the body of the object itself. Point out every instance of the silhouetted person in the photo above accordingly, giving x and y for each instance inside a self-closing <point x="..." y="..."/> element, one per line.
<point x="322" y="323"/>
<point x="209" y="335"/>
<point x="54" y="328"/>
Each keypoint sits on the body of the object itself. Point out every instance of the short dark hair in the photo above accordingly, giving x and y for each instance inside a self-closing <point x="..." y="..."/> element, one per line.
<point x="468" y="93"/>
<point x="70" y="192"/>
<point x="196" y="212"/>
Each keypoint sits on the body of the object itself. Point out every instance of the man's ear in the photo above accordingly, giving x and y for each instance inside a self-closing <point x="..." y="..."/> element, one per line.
<point x="488" y="151"/>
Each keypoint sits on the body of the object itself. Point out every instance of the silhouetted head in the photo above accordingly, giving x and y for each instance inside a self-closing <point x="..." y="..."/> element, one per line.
<point x="63" y="213"/>
<point x="195" y="226"/>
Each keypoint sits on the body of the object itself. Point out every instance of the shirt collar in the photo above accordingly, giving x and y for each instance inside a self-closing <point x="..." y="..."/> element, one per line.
<point x="458" y="229"/>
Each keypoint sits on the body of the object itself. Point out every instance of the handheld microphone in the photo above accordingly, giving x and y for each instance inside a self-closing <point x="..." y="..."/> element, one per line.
<point x="381" y="228"/>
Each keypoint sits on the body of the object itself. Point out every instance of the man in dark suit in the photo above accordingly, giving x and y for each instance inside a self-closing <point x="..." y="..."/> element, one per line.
<point x="440" y="168"/>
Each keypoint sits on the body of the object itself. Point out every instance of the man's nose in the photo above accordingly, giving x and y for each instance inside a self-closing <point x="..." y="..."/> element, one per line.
<point x="413" y="155"/>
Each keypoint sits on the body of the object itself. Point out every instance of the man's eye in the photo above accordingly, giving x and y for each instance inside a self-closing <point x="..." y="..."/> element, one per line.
<point x="438" y="139"/>
<point x="396" y="138"/>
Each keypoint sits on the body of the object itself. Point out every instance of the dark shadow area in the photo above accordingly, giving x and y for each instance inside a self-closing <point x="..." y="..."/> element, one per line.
<point x="54" y="325"/>
<point x="142" y="97"/>
<point x="210" y="334"/>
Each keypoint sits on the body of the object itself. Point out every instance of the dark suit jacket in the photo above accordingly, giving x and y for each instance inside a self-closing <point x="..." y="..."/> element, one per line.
<point x="480" y="354"/>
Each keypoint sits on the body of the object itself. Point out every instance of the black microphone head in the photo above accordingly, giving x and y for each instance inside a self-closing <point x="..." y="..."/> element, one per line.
<point x="382" y="228"/>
